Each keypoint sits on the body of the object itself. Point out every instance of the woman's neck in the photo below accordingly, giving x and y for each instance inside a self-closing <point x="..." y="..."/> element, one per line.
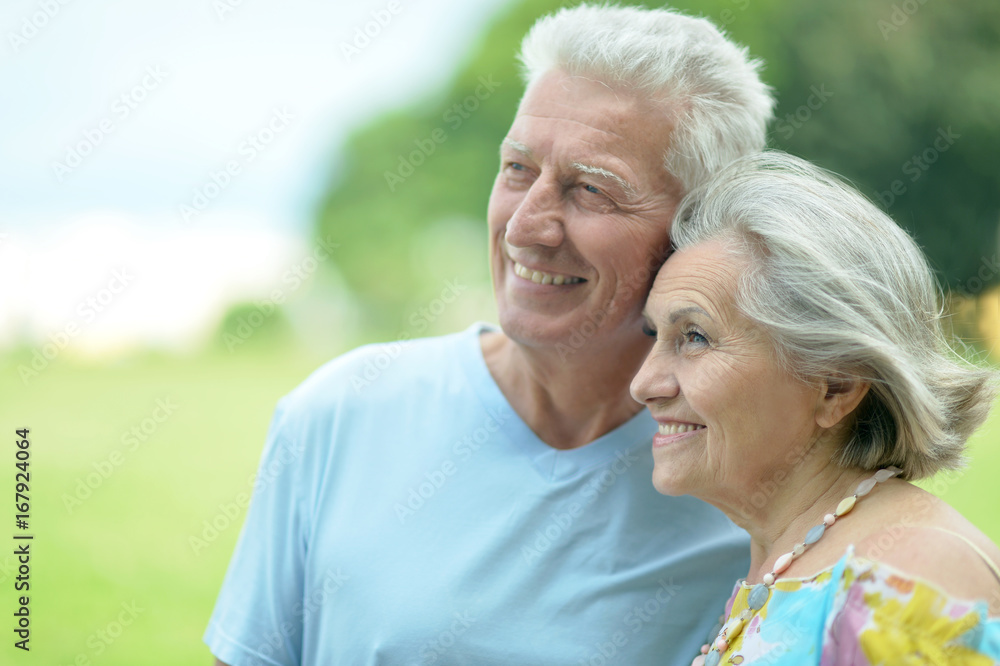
<point x="797" y="505"/>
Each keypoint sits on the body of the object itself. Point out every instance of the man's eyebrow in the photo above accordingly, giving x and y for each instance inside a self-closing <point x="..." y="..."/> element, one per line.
<point x="579" y="166"/>
<point x="517" y="145"/>
<point x="598" y="171"/>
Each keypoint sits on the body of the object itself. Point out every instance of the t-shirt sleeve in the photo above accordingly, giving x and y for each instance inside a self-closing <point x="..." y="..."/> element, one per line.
<point x="881" y="617"/>
<point x="258" y="615"/>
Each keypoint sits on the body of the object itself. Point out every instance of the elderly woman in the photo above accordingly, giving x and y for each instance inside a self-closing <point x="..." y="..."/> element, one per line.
<point x="801" y="380"/>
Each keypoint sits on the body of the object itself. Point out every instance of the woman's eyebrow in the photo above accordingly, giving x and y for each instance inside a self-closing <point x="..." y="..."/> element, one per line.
<point x="677" y="314"/>
<point x="691" y="309"/>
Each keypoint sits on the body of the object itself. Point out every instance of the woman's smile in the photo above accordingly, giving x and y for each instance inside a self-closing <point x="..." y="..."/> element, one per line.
<point x="673" y="431"/>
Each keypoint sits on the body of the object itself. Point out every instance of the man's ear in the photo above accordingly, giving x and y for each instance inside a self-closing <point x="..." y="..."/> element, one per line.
<point x="839" y="395"/>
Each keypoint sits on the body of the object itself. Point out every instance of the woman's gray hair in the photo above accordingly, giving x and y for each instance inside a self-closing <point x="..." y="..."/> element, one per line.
<point x="845" y="294"/>
<point x="708" y="86"/>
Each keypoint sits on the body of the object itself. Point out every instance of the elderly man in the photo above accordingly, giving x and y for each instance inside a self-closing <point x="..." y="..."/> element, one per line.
<point x="487" y="500"/>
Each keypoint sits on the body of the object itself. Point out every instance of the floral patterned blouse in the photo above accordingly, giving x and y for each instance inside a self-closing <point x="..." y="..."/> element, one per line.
<point x="862" y="613"/>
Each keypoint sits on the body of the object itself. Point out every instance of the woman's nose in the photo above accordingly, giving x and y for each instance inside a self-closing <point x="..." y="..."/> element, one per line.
<point x="656" y="379"/>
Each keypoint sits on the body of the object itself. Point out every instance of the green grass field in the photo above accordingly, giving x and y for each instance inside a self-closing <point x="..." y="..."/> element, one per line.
<point x="115" y="579"/>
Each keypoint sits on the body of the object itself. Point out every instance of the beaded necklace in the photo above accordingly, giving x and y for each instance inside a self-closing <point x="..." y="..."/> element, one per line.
<point x="760" y="592"/>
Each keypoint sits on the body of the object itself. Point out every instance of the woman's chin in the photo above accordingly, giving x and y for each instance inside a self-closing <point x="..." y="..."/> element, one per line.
<point x="670" y="485"/>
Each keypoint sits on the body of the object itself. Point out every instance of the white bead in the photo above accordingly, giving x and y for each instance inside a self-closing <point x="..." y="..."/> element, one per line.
<point x="782" y="563"/>
<point x="865" y="487"/>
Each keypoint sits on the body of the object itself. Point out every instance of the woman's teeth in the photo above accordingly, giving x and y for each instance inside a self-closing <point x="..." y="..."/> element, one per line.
<point x="539" y="277"/>
<point x="677" y="428"/>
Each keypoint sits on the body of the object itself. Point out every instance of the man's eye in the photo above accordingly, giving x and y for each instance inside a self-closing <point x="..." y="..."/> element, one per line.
<point x="516" y="173"/>
<point x="592" y="189"/>
<point x="648" y="330"/>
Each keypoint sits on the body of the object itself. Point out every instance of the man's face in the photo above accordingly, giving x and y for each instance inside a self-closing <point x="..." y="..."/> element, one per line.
<point x="579" y="213"/>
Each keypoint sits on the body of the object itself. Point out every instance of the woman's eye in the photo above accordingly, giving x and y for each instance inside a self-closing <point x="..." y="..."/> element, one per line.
<point x="516" y="166"/>
<point x="693" y="337"/>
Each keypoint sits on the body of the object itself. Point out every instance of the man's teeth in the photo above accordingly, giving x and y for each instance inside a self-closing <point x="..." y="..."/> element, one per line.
<point x="539" y="277"/>
<point x="677" y="428"/>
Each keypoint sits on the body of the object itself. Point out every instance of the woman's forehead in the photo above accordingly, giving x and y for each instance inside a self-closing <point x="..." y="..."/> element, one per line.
<point x="704" y="274"/>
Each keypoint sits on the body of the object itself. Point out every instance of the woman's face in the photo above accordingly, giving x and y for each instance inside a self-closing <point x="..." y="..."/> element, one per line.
<point x="730" y="416"/>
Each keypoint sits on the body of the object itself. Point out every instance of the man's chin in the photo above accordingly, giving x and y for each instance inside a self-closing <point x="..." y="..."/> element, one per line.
<point x="535" y="330"/>
<point x="568" y="334"/>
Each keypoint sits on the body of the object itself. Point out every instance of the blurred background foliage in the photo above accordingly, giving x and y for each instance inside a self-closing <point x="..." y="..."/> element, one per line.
<point x="864" y="88"/>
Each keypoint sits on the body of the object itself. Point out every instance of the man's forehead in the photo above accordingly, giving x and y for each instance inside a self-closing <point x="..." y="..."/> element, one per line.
<point x="587" y="130"/>
<point x="557" y="95"/>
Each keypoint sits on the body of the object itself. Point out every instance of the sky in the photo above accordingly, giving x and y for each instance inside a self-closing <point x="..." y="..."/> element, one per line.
<point x="160" y="159"/>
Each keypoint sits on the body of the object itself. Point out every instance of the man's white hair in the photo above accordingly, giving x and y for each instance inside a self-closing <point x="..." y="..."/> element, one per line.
<point x="709" y="87"/>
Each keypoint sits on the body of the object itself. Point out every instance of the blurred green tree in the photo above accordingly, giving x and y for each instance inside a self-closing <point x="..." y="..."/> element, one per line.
<point x="900" y="97"/>
<point x="252" y="327"/>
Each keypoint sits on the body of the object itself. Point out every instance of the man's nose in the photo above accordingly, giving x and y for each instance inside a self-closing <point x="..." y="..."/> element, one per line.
<point x="539" y="219"/>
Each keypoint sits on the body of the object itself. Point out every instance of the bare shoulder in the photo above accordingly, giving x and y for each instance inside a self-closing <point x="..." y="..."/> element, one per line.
<point x="921" y="535"/>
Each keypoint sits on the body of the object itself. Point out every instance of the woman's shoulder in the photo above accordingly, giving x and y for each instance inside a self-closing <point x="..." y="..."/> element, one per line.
<point x="919" y="536"/>
<point x="905" y="576"/>
<point x="868" y="611"/>
<point x="885" y="613"/>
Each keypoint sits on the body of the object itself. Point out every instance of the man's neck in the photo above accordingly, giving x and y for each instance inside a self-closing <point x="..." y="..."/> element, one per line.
<point x="568" y="399"/>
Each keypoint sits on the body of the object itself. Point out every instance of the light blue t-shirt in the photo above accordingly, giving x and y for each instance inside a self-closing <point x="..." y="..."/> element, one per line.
<point x="404" y="514"/>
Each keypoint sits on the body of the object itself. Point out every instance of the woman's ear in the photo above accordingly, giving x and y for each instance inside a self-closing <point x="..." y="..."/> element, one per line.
<point x="839" y="395"/>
